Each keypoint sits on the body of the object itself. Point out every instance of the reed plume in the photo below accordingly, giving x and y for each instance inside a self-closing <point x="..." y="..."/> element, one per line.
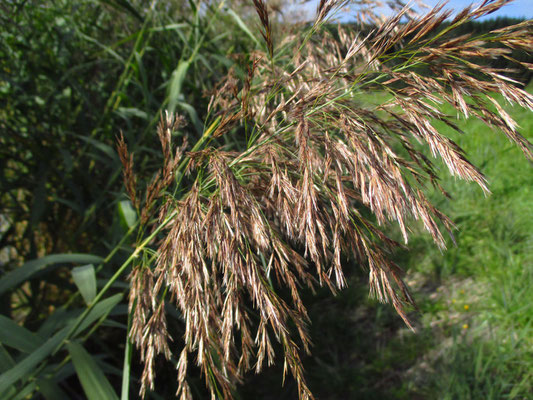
<point x="312" y="156"/>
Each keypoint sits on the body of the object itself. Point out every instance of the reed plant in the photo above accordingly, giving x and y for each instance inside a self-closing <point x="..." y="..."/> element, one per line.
<point x="299" y="169"/>
<point x="285" y="154"/>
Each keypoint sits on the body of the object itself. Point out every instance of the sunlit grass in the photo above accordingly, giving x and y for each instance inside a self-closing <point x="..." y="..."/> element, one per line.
<point x="482" y="311"/>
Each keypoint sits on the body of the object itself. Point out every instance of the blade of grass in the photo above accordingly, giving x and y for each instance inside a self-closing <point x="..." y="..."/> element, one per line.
<point x="128" y="216"/>
<point x="124" y="4"/>
<point x="17" y="337"/>
<point x="6" y="362"/>
<point x="51" y="390"/>
<point x="25" y="392"/>
<point x="176" y="83"/>
<point x="13" y="278"/>
<point x="126" y="369"/>
<point x="243" y="26"/>
<point x="28" y="364"/>
<point x="94" y="383"/>
<point x="85" y="279"/>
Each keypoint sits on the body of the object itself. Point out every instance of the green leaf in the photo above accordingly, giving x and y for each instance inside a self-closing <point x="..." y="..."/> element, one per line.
<point x="76" y="207"/>
<point x="62" y="318"/>
<point x="128" y="215"/>
<point x="118" y="4"/>
<point x="126" y="368"/>
<point x="17" y="337"/>
<point x="107" y="49"/>
<point x="104" y="148"/>
<point x="243" y="26"/>
<point x="6" y="362"/>
<point x="100" y="310"/>
<point x="13" y="278"/>
<point x="92" y="379"/>
<point x="29" y="363"/>
<point x="127" y="112"/>
<point x="176" y="82"/>
<point x="168" y="27"/>
<point x="8" y="394"/>
<point x="198" y="125"/>
<point x="51" y="390"/>
<point x="25" y="392"/>
<point x="114" y="324"/>
<point x="85" y="279"/>
<point x="59" y="319"/>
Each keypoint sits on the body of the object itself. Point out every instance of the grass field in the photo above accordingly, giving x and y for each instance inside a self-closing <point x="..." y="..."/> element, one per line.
<point x="481" y="315"/>
<point x="476" y="298"/>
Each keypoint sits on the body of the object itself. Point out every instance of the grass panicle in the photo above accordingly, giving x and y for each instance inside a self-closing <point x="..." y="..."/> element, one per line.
<point x="302" y="171"/>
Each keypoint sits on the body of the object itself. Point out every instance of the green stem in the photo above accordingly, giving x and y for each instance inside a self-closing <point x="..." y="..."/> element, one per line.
<point x="127" y="362"/>
<point x="112" y="280"/>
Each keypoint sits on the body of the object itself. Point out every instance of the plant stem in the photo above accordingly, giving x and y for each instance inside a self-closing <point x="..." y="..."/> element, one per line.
<point x="112" y="280"/>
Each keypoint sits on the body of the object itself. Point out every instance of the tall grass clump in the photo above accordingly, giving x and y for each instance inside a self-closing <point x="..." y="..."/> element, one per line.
<point x="285" y="154"/>
<point x="299" y="169"/>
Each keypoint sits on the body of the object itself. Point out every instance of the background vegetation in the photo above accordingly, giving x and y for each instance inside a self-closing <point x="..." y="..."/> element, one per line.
<point x="75" y="74"/>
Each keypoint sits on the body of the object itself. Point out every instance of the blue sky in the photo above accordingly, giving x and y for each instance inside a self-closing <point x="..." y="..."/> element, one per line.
<point x="518" y="8"/>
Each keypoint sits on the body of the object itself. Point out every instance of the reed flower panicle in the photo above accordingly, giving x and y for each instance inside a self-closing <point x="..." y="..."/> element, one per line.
<point x="287" y="202"/>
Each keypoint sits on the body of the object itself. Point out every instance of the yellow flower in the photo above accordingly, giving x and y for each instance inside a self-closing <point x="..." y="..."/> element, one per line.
<point x="466" y="307"/>
<point x="465" y="326"/>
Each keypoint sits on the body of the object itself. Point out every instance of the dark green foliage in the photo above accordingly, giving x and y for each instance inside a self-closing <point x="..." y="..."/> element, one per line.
<point x="72" y="76"/>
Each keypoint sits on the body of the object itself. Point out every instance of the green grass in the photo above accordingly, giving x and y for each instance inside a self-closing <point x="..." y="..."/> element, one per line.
<point x="481" y="315"/>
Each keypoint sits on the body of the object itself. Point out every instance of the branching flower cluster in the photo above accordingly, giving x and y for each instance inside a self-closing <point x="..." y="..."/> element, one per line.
<point x="312" y="159"/>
